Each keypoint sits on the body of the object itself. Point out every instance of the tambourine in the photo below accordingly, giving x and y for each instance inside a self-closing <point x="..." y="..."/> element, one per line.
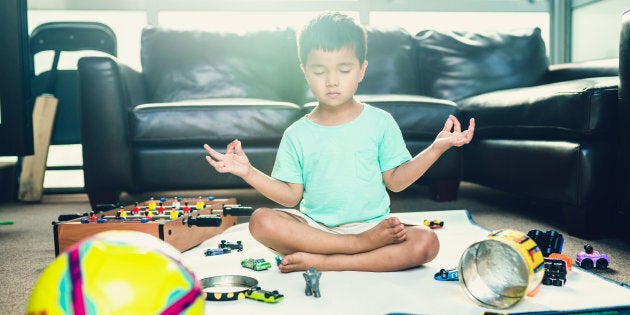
<point x="227" y="288"/>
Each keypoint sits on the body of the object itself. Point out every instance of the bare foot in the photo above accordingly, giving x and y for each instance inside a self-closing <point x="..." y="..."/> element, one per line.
<point x="388" y="231"/>
<point x="301" y="261"/>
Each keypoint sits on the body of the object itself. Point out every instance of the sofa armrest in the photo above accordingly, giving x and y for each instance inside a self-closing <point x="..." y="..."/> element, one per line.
<point x="104" y="106"/>
<point x="580" y="70"/>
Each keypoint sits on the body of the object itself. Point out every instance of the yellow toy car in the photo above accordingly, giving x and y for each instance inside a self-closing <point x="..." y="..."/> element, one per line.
<point x="434" y="224"/>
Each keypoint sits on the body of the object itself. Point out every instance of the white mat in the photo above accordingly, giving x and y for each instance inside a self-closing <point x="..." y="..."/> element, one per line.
<point x="410" y="291"/>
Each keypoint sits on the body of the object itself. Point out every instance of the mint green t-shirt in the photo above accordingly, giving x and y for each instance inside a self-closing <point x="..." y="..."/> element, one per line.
<point x="340" y="166"/>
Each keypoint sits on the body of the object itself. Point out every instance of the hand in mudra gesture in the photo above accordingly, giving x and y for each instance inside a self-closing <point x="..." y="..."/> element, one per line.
<point x="452" y="134"/>
<point x="233" y="161"/>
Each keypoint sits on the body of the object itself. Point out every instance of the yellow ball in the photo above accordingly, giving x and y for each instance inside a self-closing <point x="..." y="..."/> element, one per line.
<point x="117" y="272"/>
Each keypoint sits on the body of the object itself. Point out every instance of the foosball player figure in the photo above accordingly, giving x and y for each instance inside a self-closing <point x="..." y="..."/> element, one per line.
<point x="136" y="209"/>
<point x="200" y="203"/>
<point x="186" y="208"/>
<point x="174" y="214"/>
<point x="121" y="214"/>
<point x="152" y="204"/>
<point x="148" y="214"/>
<point x="160" y="208"/>
<point x="312" y="282"/>
<point x="93" y="217"/>
<point x="176" y="205"/>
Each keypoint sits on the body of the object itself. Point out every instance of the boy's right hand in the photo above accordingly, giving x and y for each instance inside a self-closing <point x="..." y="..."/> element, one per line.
<point x="233" y="161"/>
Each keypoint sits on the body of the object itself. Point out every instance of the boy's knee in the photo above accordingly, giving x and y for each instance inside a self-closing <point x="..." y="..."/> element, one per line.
<point x="259" y="221"/>
<point x="428" y="247"/>
<point x="433" y="246"/>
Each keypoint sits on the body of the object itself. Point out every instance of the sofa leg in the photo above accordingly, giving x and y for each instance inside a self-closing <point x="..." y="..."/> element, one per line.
<point x="444" y="189"/>
<point x="103" y="198"/>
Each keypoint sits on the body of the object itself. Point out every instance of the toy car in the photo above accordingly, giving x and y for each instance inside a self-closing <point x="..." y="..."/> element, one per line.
<point x="590" y="258"/>
<point x="434" y="224"/>
<point x="447" y="275"/>
<point x="225" y="244"/>
<point x="259" y="294"/>
<point x="217" y="251"/>
<point x="555" y="272"/>
<point x="256" y="264"/>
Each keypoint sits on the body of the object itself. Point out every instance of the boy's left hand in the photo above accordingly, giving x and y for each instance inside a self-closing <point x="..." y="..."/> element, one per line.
<point x="455" y="138"/>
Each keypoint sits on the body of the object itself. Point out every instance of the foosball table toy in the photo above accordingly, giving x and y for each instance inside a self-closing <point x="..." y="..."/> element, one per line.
<point x="183" y="228"/>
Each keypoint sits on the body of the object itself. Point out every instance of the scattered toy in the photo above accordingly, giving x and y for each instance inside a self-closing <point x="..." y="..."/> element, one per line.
<point x="278" y="260"/>
<point x="256" y="264"/>
<point x="238" y="246"/>
<point x="590" y="258"/>
<point x="217" y="251"/>
<point x="259" y="294"/>
<point x="548" y="242"/>
<point x="555" y="272"/>
<point x="434" y="224"/>
<point x="566" y="258"/>
<point x="447" y="275"/>
<point x="312" y="282"/>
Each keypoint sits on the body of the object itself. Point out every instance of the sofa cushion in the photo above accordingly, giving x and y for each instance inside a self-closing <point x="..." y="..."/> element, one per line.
<point x="391" y="63"/>
<point x="419" y="117"/>
<point x="455" y="65"/>
<point x="185" y="64"/>
<point x="578" y="109"/>
<point x="211" y="121"/>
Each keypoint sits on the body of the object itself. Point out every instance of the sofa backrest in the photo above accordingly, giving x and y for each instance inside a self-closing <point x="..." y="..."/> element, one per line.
<point x="391" y="63"/>
<point x="191" y="64"/>
<point x="455" y="65"/>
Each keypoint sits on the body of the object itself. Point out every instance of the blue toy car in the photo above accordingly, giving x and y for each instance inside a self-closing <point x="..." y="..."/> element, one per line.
<point x="217" y="251"/>
<point x="447" y="275"/>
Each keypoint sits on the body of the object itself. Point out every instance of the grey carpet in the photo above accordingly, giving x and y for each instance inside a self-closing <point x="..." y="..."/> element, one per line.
<point x="27" y="246"/>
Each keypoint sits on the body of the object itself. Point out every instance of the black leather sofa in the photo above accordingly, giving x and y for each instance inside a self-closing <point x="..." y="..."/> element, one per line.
<point x="542" y="131"/>
<point x="623" y="206"/>
<point x="552" y="140"/>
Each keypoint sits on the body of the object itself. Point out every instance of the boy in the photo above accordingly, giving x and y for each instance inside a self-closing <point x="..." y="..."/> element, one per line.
<point x="337" y="163"/>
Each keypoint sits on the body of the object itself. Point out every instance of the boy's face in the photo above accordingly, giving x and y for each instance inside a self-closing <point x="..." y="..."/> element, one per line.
<point x="334" y="76"/>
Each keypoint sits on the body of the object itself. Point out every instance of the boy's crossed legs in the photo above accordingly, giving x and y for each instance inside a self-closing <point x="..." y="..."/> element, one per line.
<point x="388" y="246"/>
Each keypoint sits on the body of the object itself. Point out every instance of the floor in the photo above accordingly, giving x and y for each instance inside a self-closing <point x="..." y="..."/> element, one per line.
<point x="63" y="165"/>
<point x="60" y="158"/>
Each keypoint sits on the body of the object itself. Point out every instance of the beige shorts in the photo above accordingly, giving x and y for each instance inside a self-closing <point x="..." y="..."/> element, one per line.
<point x="348" y="228"/>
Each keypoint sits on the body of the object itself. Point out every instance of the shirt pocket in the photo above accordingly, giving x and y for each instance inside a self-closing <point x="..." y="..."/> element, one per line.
<point x="366" y="164"/>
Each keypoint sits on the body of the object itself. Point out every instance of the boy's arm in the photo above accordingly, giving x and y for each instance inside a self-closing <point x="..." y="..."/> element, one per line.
<point x="402" y="176"/>
<point x="236" y="162"/>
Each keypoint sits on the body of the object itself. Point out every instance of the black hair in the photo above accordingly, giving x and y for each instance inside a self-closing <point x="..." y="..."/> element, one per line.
<point x="331" y="32"/>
